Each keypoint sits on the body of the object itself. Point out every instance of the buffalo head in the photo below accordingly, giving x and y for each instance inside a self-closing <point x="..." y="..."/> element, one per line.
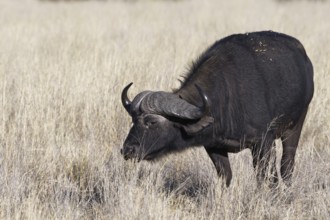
<point x="162" y="122"/>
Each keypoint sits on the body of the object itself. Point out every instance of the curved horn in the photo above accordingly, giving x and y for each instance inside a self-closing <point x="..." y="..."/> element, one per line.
<point x="205" y="120"/>
<point x="125" y="100"/>
<point x="172" y="105"/>
<point x="206" y="103"/>
<point x="169" y="104"/>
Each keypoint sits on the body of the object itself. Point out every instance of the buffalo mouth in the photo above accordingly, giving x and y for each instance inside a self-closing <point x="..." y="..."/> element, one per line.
<point x="154" y="154"/>
<point x="129" y="153"/>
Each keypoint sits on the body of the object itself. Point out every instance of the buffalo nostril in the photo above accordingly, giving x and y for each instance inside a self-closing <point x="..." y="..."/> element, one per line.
<point x="131" y="150"/>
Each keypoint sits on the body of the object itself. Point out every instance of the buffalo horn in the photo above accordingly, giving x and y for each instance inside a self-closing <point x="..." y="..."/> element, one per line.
<point x="172" y="105"/>
<point x="206" y="104"/>
<point x="125" y="100"/>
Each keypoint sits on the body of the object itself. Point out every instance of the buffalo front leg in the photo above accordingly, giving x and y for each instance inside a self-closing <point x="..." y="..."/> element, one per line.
<point x="290" y="141"/>
<point x="221" y="162"/>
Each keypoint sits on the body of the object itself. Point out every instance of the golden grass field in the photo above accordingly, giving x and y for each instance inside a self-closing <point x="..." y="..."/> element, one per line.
<point x="62" y="68"/>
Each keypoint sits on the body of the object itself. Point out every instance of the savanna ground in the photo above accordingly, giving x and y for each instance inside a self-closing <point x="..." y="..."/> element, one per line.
<point x="62" y="68"/>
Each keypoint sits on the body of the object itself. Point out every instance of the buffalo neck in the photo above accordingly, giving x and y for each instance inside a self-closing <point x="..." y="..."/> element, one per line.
<point x="202" y="138"/>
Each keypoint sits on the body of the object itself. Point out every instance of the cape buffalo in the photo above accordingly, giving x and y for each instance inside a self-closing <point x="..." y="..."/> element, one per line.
<point x="244" y="91"/>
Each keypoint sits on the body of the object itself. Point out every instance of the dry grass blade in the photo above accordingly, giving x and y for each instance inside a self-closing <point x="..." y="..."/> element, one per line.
<point x="62" y="69"/>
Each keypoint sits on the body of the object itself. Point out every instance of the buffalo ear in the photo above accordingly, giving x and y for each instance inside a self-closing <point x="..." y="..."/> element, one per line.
<point x="192" y="129"/>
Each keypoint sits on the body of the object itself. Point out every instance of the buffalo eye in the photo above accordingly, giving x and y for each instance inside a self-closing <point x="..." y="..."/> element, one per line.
<point x="150" y="121"/>
<point x="150" y="124"/>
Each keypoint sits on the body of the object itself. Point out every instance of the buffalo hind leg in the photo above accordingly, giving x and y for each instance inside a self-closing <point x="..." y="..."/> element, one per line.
<point x="290" y="141"/>
<point x="263" y="155"/>
<point x="221" y="162"/>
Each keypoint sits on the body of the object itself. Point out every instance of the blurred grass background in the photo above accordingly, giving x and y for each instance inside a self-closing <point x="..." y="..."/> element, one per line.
<point x="62" y="68"/>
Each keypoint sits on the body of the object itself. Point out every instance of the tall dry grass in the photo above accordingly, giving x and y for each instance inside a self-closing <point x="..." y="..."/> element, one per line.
<point x="62" y="68"/>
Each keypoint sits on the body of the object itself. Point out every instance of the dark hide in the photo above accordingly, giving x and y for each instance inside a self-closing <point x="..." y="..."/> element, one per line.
<point x="258" y="86"/>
